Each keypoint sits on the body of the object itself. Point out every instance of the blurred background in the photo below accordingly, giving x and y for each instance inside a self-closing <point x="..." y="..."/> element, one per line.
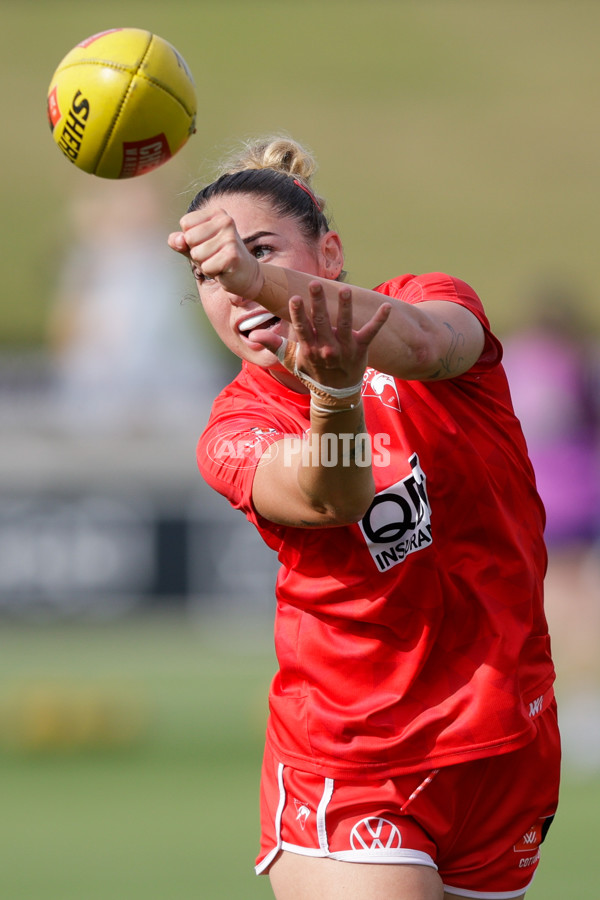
<point x="135" y="606"/>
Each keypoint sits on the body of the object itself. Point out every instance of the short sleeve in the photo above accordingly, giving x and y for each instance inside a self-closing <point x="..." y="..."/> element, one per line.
<point x="439" y="286"/>
<point x="229" y="451"/>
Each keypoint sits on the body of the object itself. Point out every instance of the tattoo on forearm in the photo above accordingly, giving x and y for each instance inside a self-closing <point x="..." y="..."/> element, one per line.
<point x="453" y="359"/>
<point x="350" y="456"/>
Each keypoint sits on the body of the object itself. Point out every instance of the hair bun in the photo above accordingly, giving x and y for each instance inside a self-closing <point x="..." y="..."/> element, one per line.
<point x="279" y="153"/>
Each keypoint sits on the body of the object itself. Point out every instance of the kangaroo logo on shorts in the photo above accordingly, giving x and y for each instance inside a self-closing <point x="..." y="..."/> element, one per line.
<point x="375" y="834"/>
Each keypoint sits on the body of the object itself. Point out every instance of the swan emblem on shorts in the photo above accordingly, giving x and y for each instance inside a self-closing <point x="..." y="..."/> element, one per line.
<point x="302" y="813"/>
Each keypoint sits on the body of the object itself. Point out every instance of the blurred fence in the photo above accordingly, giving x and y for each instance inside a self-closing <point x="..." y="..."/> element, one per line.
<point x="99" y="524"/>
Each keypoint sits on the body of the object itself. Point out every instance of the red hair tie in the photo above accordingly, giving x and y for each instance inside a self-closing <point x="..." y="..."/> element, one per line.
<point x="309" y="192"/>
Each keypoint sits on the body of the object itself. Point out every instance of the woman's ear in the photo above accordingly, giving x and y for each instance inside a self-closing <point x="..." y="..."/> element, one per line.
<point x="332" y="255"/>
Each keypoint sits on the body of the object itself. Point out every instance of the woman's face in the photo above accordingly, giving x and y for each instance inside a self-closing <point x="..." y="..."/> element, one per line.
<point x="270" y="238"/>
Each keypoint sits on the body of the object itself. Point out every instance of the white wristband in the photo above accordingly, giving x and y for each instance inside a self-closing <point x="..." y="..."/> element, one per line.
<point x="338" y="393"/>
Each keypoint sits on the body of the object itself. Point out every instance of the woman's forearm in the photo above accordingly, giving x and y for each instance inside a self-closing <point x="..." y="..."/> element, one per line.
<point x="334" y="469"/>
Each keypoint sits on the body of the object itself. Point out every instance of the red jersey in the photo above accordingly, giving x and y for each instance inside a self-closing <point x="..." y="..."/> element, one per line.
<point x="415" y="638"/>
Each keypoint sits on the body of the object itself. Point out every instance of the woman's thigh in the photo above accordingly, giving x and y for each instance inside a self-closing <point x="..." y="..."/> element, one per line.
<point x="297" y="877"/>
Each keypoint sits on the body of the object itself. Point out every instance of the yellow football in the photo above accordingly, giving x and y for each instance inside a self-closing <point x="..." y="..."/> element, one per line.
<point x="121" y="103"/>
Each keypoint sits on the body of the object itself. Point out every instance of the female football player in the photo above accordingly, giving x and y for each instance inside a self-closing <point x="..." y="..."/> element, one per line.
<point x="412" y="749"/>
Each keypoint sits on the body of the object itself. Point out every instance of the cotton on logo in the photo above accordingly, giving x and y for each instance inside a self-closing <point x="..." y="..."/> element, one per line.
<point x="375" y="834"/>
<point x="531" y="840"/>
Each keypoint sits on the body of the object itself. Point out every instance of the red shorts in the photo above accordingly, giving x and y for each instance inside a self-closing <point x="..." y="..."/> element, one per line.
<point x="480" y="823"/>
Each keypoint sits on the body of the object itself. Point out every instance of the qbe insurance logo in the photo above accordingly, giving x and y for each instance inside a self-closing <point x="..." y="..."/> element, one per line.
<point x="398" y="522"/>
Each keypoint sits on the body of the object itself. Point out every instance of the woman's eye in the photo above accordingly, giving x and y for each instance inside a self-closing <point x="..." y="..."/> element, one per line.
<point x="200" y="277"/>
<point x="261" y="250"/>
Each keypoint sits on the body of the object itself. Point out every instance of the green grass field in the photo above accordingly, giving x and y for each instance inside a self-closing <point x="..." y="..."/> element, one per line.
<point x="173" y="811"/>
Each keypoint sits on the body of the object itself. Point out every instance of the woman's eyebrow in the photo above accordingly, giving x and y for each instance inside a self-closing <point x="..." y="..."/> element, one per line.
<point x="257" y="235"/>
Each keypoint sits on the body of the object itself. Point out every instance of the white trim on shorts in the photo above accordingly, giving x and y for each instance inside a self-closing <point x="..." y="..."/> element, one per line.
<point x="396" y="856"/>
<point x="266" y="862"/>
<point x="488" y="895"/>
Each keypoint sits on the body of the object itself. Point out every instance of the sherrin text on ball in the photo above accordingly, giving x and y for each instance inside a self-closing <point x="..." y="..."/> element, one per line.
<point x="122" y="103"/>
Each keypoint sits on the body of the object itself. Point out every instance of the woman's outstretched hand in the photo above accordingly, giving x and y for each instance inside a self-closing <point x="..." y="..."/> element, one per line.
<point x="332" y="355"/>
